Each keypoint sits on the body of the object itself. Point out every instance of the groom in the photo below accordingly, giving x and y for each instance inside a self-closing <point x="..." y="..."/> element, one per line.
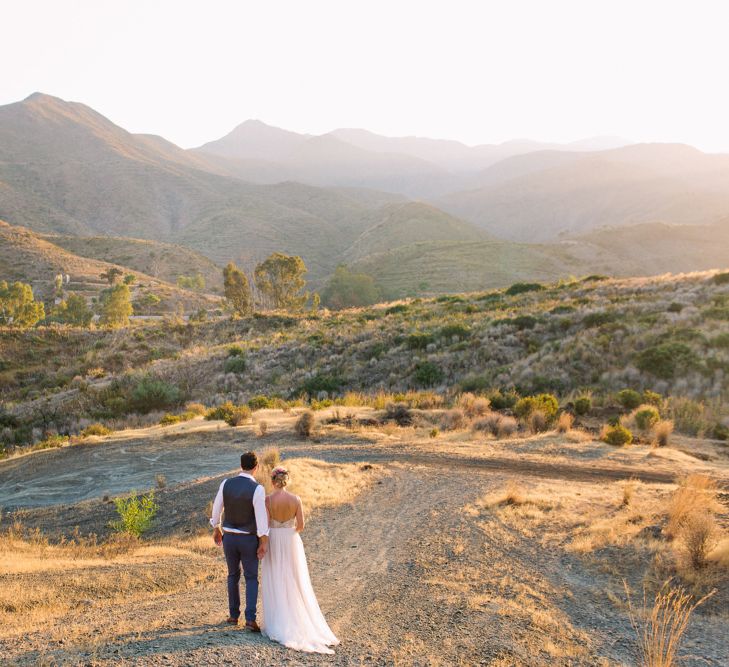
<point x="244" y="535"/>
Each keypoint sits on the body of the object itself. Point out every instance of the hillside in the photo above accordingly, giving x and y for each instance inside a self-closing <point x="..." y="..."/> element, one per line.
<point x="66" y="169"/>
<point x="164" y="261"/>
<point x="397" y="225"/>
<point x="28" y="257"/>
<point x="538" y="197"/>
<point x="440" y="267"/>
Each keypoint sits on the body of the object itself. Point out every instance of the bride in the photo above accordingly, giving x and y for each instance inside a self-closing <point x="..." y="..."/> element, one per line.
<point x="291" y="614"/>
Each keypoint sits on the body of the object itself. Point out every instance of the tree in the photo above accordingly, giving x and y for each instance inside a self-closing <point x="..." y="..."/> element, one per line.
<point x="237" y="289"/>
<point x="350" y="290"/>
<point x="75" y="311"/>
<point x="17" y="305"/>
<point x="280" y="280"/>
<point x="115" y="305"/>
<point x="193" y="282"/>
<point x="146" y="303"/>
<point x="129" y="279"/>
<point x="111" y="275"/>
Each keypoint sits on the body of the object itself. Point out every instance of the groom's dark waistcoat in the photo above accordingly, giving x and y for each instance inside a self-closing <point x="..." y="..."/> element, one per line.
<point x="238" y="504"/>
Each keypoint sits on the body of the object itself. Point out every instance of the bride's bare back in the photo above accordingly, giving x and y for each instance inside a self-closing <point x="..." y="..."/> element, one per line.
<point x="284" y="506"/>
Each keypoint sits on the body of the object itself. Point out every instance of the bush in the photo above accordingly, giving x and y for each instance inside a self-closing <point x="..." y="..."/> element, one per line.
<point x="136" y="514"/>
<point x="399" y="308"/>
<point x="95" y="429"/>
<point x="427" y="374"/>
<point x="537" y="421"/>
<point x="197" y="409"/>
<point x="721" y="278"/>
<point x="520" y="322"/>
<point x="451" y="330"/>
<point x="617" y="435"/>
<point x="235" y="364"/>
<point x="321" y="382"/>
<point x="418" y="341"/>
<point x="688" y="416"/>
<point x="629" y="398"/>
<point x="170" y="419"/>
<point x="236" y="351"/>
<point x="583" y="405"/>
<point x="239" y="415"/>
<point x="500" y="426"/>
<point x="221" y="412"/>
<point x="720" y="432"/>
<point x="260" y="402"/>
<point x="473" y="406"/>
<point x="520" y="288"/>
<point x="646" y="416"/>
<point x="399" y="413"/>
<point x="597" y="319"/>
<point x="547" y="404"/>
<point x="305" y="424"/>
<point x="666" y="359"/>
<point x="503" y="400"/>
<point x="151" y="394"/>
<point x="453" y="420"/>
<point x="652" y="398"/>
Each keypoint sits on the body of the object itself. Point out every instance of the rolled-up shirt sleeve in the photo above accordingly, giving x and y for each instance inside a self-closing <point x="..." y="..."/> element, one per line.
<point x="217" y="507"/>
<point x="259" y="507"/>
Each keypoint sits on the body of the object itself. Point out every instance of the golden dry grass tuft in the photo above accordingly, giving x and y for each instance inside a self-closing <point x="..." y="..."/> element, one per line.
<point x="564" y="422"/>
<point x="660" y="628"/>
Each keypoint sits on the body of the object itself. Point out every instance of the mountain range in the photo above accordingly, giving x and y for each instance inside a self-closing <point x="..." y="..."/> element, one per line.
<point x="421" y="215"/>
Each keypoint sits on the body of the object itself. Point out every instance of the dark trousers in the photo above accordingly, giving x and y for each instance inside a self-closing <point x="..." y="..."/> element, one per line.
<point x="241" y="550"/>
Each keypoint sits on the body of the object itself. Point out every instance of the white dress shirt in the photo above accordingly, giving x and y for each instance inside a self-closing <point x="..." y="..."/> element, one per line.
<point x="259" y="508"/>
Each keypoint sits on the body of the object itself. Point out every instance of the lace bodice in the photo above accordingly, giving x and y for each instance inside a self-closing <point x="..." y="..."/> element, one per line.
<point x="291" y="523"/>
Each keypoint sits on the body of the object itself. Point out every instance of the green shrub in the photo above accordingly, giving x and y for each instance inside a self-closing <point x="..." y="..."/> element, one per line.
<point x="562" y="310"/>
<point x="95" y="429"/>
<point x="418" y="341"/>
<point x="520" y="288"/>
<point x="152" y="394"/>
<point x="617" y="435"/>
<point x="236" y="351"/>
<point x="583" y="405"/>
<point x="321" y="382"/>
<point x="239" y="415"/>
<point x="451" y="330"/>
<point x="399" y="308"/>
<point x="652" y="398"/>
<point x="521" y="322"/>
<point x="720" y="432"/>
<point x="221" y="412"/>
<point x="235" y="364"/>
<point x="666" y="359"/>
<point x="170" y="419"/>
<point x="427" y="374"/>
<point x="721" y="341"/>
<point x="629" y="398"/>
<point x="53" y="441"/>
<point x="597" y="319"/>
<point x="688" y="416"/>
<point x="503" y="400"/>
<point x="260" y="402"/>
<point x="675" y="307"/>
<point x="646" y="416"/>
<point x="136" y="514"/>
<point x="721" y="278"/>
<point x="475" y="384"/>
<point x="547" y="404"/>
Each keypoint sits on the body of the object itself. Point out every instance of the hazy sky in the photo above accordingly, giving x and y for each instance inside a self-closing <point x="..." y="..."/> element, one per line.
<point x="481" y="71"/>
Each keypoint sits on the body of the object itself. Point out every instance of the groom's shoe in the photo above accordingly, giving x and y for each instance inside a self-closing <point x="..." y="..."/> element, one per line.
<point x="252" y="626"/>
<point x="232" y="621"/>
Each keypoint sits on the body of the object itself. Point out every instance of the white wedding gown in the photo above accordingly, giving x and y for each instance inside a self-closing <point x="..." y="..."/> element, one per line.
<point x="291" y="614"/>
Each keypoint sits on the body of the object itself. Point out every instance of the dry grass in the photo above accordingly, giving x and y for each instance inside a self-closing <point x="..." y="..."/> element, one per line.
<point x="696" y="494"/>
<point x="454" y="420"/>
<point x="564" y="423"/>
<point x="262" y="428"/>
<point x="660" y="628"/>
<point x="500" y="426"/>
<point x="662" y="432"/>
<point x="698" y="535"/>
<point x="537" y="422"/>
<point x="629" y="491"/>
<point x="473" y="406"/>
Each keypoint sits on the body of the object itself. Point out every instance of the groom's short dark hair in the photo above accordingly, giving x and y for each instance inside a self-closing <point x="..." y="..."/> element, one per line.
<point x="248" y="461"/>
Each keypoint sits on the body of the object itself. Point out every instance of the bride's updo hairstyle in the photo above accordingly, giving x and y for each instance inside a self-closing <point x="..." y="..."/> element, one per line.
<point x="280" y="476"/>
